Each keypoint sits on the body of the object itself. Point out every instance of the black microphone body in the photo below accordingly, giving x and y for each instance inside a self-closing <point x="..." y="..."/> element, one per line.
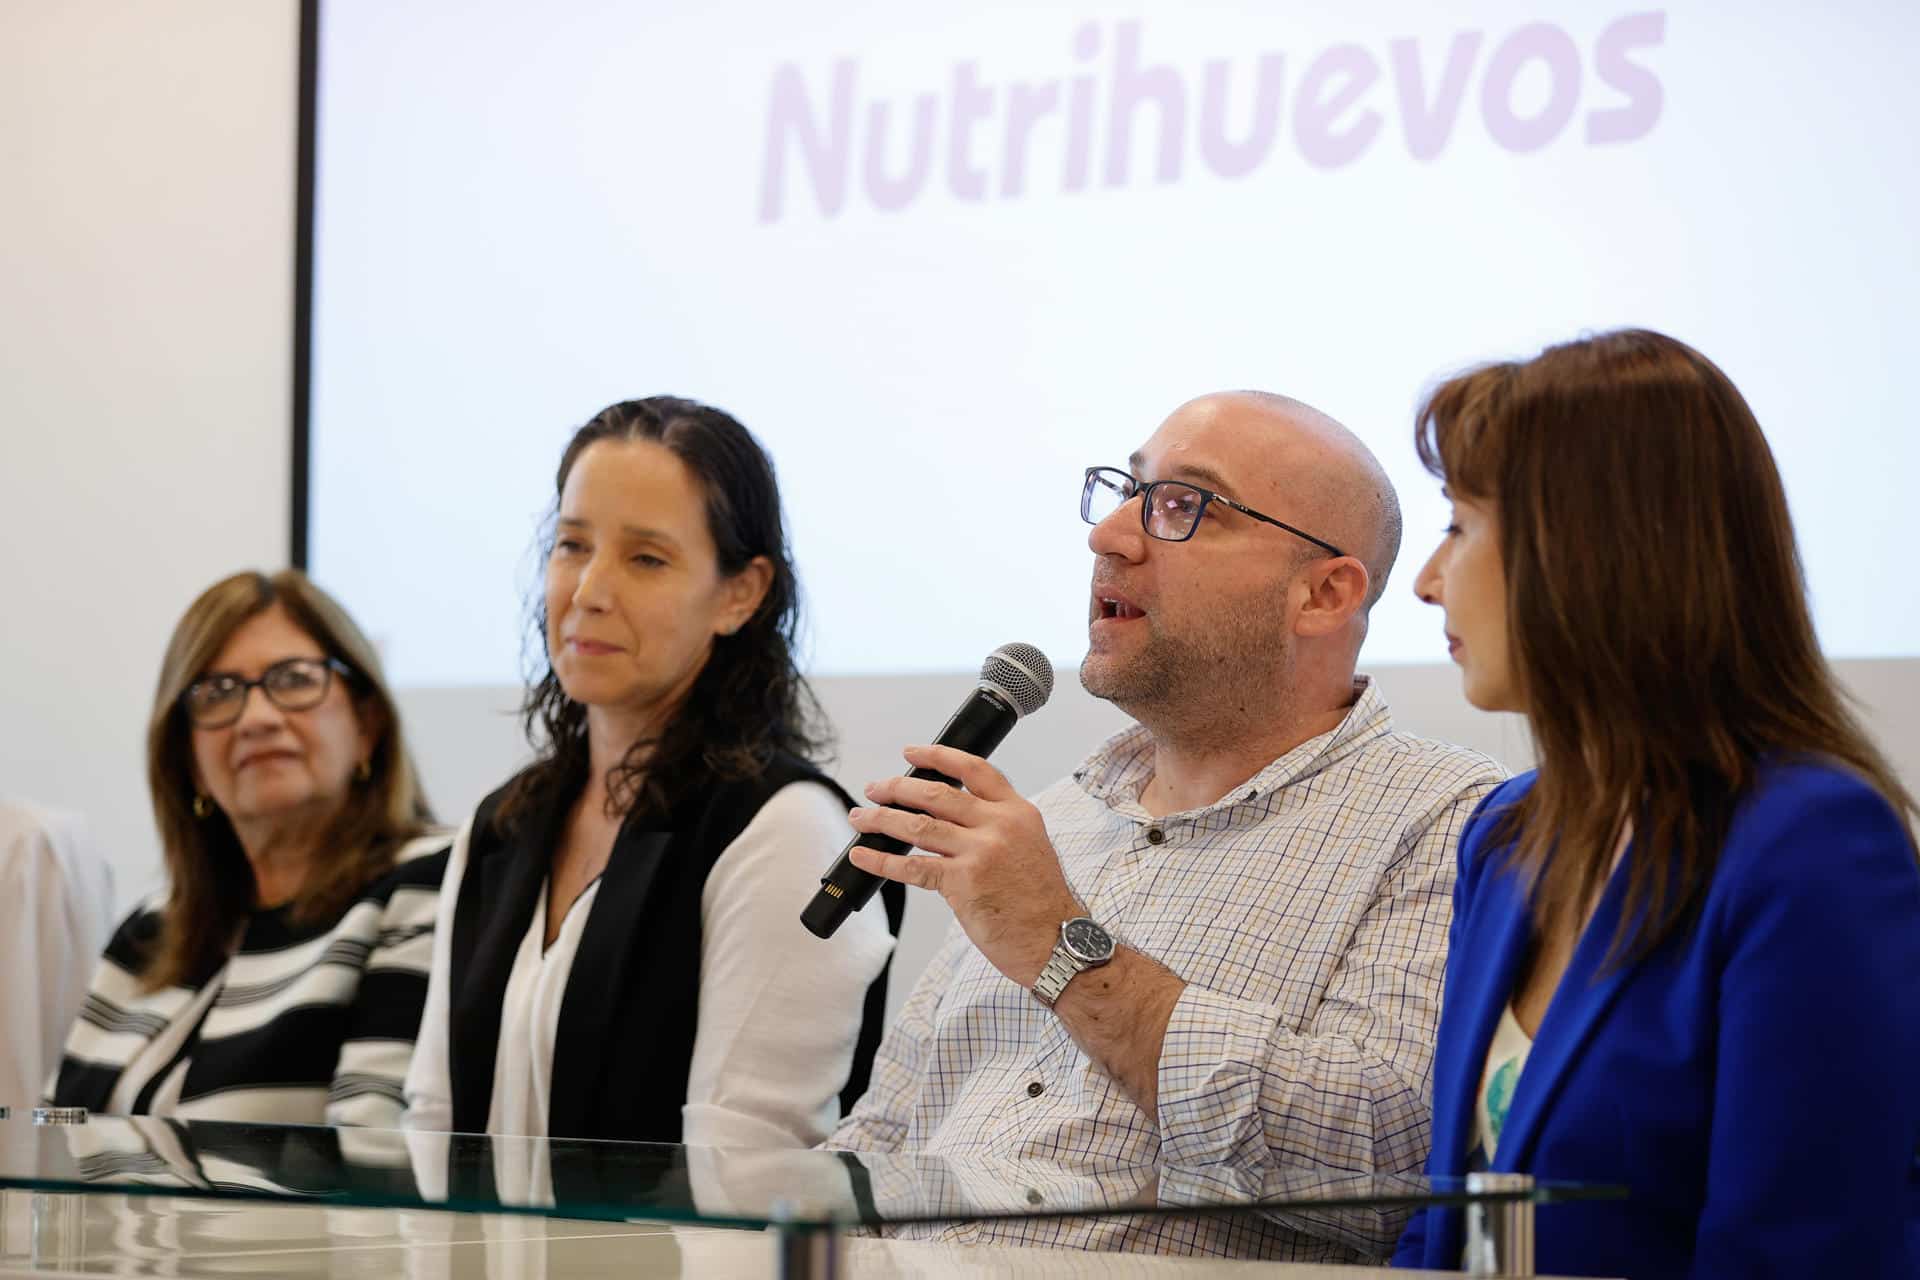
<point x="981" y="724"/>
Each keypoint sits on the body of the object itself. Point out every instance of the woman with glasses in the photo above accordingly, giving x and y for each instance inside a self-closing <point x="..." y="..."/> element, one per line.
<point x="280" y="975"/>
<point x="1686" y="948"/>
<point x="620" y="953"/>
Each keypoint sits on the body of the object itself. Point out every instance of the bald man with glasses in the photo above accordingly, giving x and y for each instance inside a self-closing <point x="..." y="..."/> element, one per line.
<point x="1218" y="943"/>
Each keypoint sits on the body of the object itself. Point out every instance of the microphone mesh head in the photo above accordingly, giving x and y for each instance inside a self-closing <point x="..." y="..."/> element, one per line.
<point x="1021" y="672"/>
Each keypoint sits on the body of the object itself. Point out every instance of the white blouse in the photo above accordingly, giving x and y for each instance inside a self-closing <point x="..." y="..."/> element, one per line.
<point x="529" y="1013"/>
<point x="779" y="1014"/>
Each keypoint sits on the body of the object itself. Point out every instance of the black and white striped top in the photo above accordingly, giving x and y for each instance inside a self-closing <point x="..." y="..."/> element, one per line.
<point x="311" y="1023"/>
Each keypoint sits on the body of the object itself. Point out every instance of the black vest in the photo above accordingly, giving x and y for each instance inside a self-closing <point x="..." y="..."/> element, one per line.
<point x="624" y="1043"/>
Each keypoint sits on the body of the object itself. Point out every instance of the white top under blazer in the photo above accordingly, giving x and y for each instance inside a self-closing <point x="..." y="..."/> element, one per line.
<point x="780" y="1010"/>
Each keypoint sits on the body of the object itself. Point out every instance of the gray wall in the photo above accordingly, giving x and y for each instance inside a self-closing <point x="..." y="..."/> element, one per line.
<point x="468" y="740"/>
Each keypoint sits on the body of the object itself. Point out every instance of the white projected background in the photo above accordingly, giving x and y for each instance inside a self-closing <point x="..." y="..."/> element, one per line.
<point x="942" y="257"/>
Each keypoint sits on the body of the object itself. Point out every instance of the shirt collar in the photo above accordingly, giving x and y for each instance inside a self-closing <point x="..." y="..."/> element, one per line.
<point x="1120" y="768"/>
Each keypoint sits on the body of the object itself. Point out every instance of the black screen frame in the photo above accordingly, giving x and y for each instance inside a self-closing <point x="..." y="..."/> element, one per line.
<point x="302" y="391"/>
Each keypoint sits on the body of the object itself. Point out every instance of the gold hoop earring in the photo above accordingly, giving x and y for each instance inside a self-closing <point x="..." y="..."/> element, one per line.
<point x="202" y="807"/>
<point x="363" y="771"/>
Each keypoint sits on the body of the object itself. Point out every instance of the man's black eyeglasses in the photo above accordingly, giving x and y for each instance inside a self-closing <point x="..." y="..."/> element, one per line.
<point x="1170" y="510"/>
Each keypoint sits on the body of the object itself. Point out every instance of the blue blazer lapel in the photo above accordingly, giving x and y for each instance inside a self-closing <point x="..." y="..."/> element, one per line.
<point x="1488" y="946"/>
<point x="1579" y="1004"/>
<point x="1483" y="979"/>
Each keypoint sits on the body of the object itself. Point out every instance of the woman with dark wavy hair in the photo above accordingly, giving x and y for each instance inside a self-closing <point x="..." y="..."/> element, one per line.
<point x="1686" y="948"/>
<point x="620" y="953"/>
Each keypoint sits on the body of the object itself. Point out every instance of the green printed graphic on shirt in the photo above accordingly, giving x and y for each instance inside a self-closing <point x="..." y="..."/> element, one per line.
<point x="1500" y="1096"/>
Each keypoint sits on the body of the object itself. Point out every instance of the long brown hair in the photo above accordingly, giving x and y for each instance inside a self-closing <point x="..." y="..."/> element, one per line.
<point x="1657" y="615"/>
<point x="212" y="887"/>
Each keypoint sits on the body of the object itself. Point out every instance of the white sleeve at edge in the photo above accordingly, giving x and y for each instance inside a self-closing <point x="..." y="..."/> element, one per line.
<point x="780" y="1010"/>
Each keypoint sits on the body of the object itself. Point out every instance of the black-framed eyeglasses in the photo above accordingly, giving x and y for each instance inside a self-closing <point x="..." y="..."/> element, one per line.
<point x="291" y="684"/>
<point x="1170" y="510"/>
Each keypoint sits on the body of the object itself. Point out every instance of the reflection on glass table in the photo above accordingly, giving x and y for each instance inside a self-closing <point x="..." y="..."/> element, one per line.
<point x="808" y="1197"/>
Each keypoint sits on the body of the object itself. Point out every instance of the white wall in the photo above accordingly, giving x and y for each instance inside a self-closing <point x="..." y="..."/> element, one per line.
<point x="146" y="242"/>
<point x="146" y="295"/>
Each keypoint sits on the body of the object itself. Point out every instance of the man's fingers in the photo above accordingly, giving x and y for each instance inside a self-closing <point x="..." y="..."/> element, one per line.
<point x="973" y="773"/>
<point x="928" y="796"/>
<point x="922" y="830"/>
<point x="921" y="872"/>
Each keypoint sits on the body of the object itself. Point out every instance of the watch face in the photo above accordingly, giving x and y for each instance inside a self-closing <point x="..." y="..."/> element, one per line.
<point x="1087" y="940"/>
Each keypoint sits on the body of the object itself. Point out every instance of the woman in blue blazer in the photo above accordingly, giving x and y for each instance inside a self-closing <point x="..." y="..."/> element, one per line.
<point x="1686" y="950"/>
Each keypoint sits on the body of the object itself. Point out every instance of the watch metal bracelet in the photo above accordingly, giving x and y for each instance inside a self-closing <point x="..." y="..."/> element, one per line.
<point x="1061" y="969"/>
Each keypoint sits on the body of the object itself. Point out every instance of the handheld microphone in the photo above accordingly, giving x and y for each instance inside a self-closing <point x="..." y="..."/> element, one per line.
<point x="1015" y="681"/>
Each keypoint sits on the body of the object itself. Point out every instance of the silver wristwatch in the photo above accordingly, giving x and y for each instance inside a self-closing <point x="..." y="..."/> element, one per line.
<point x="1083" y="945"/>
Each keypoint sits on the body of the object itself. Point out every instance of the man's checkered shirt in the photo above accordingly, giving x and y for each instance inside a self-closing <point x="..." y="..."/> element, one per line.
<point x="1307" y="911"/>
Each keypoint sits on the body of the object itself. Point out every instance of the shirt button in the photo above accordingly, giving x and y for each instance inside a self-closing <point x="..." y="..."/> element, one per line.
<point x="1155" y="835"/>
<point x="1035" y="1089"/>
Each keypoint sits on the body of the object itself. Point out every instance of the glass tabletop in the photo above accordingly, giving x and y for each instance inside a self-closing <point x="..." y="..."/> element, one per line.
<point x="578" y="1178"/>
